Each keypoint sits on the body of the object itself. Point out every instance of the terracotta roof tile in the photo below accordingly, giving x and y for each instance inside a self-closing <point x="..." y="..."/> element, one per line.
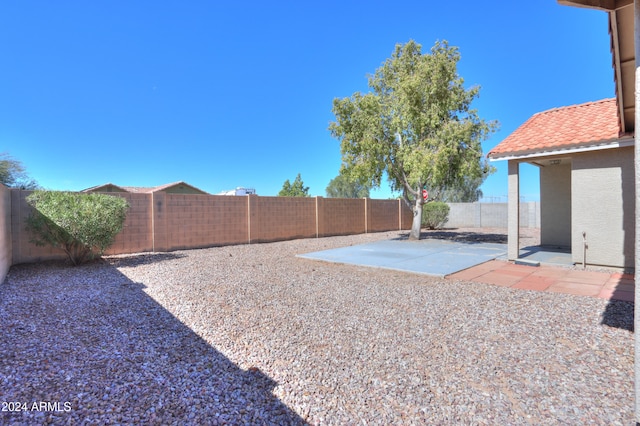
<point x="148" y="190"/>
<point x="138" y="189"/>
<point x="571" y="126"/>
<point x="144" y="189"/>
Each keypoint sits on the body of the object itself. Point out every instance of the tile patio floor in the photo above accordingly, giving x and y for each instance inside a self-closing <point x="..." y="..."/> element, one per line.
<point x="604" y="285"/>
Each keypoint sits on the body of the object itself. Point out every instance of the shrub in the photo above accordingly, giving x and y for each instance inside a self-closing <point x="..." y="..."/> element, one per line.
<point x="83" y="225"/>
<point x="435" y="214"/>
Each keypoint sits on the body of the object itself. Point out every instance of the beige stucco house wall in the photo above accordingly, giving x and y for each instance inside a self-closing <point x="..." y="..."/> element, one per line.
<point x="555" y="203"/>
<point x="592" y="193"/>
<point x="603" y="206"/>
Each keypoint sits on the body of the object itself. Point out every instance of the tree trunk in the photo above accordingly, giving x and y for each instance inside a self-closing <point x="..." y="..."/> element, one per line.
<point x="416" y="226"/>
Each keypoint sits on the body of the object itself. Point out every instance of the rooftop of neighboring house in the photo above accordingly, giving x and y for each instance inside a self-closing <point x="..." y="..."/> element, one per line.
<point x="175" y="187"/>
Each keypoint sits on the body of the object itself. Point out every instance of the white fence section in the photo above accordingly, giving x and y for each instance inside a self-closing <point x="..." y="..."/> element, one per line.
<point x="491" y="215"/>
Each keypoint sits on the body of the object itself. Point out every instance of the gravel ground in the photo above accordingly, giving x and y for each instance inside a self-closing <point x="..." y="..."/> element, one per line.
<point x="251" y="334"/>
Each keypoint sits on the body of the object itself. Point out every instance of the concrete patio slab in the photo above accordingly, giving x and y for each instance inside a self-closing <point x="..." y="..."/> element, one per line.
<point x="544" y="256"/>
<point x="431" y="257"/>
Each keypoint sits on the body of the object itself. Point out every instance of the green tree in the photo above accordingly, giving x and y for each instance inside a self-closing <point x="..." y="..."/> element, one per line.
<point x="82" y="225"/>
<point x="416" y="125"/>
<point x="467" y="192"/>
<point x="13" y="173"/>
<point x="343" y="187"/>
<point x="295" y="189"/>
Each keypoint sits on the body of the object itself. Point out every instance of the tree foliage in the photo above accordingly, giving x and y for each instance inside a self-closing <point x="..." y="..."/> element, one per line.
<point x="13" y="173"/>
<point x="468" y="191"/>
<point x="83" y="225"/>
<point x="295" y="189"/>
<point x="343" y="186"/>
<point x="416" y="125"/>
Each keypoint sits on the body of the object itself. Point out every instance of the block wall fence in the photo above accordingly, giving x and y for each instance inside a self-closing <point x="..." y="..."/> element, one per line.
<point x="161" y="222"/>
<point x="491" y="215"/>
<point x="5" y="232"/>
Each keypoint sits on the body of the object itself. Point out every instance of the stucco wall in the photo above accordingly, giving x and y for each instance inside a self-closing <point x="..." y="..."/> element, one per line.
<point x="555" y="204"/>
<point x="5" y="231"/>
<point x="603" y="206"/>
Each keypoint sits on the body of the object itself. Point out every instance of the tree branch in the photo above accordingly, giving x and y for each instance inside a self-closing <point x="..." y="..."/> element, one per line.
<point x="405" y="182"/>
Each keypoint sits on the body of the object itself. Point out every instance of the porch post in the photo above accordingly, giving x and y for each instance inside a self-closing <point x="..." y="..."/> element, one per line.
<point x="513" y="214"/>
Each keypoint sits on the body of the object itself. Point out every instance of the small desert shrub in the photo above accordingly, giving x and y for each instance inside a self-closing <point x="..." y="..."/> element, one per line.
<point x="83" y="225"/>
<point x="435" y="214"/>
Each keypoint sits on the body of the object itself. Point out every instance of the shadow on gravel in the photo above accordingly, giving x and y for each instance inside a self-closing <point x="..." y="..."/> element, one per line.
<point x="142" y="259"/>
<point x="619" y="314"/>
<point x="95" y="347"/>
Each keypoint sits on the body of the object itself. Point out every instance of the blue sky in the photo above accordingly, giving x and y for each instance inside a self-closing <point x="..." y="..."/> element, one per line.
<point x="224" y="94"/>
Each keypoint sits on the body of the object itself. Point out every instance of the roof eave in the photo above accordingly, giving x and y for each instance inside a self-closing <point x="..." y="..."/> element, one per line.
<point x="525" y="155"/>
<point x="606" y="5"/>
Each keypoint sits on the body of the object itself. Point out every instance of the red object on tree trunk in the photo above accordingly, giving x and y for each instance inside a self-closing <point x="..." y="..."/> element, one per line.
<point x="425" y="194"/>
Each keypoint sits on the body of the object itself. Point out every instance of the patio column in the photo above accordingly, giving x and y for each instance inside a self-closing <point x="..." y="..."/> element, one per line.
<point x="513" y="214"/>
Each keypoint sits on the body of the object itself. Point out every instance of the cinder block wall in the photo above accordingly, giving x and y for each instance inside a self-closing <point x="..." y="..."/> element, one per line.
<point x="494" y="215"/>
<point x="206" y="220"/>
<point x="406" y="215"/>
<point x="464" y="215"/>
<point x="5" y="232"/>
<point x="164" y="222"/>
<point x="136" y="235"/>
<point x="281" y="218"/>
<point x="491" y="215"/>
<point x="340" y="216"/>
<point x="22" y="250"/>
<point x="382" y="215"/>
<point x="530" y="214"/>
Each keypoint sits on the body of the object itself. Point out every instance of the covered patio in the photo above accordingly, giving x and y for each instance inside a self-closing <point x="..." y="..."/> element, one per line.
<point x="586" y="183"/>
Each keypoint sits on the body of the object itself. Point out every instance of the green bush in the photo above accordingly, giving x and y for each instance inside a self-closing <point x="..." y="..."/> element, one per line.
<point x="83" y="225"/>
<point x="435" y="214"/>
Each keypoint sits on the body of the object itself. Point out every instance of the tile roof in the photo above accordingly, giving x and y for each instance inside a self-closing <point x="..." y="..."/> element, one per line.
<point x="148" y="190"/>
<point x="138" y="189"/>
<point x="590" y="123"/>
<point x="143" y="189"/>
<point x="98" y="188"/>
